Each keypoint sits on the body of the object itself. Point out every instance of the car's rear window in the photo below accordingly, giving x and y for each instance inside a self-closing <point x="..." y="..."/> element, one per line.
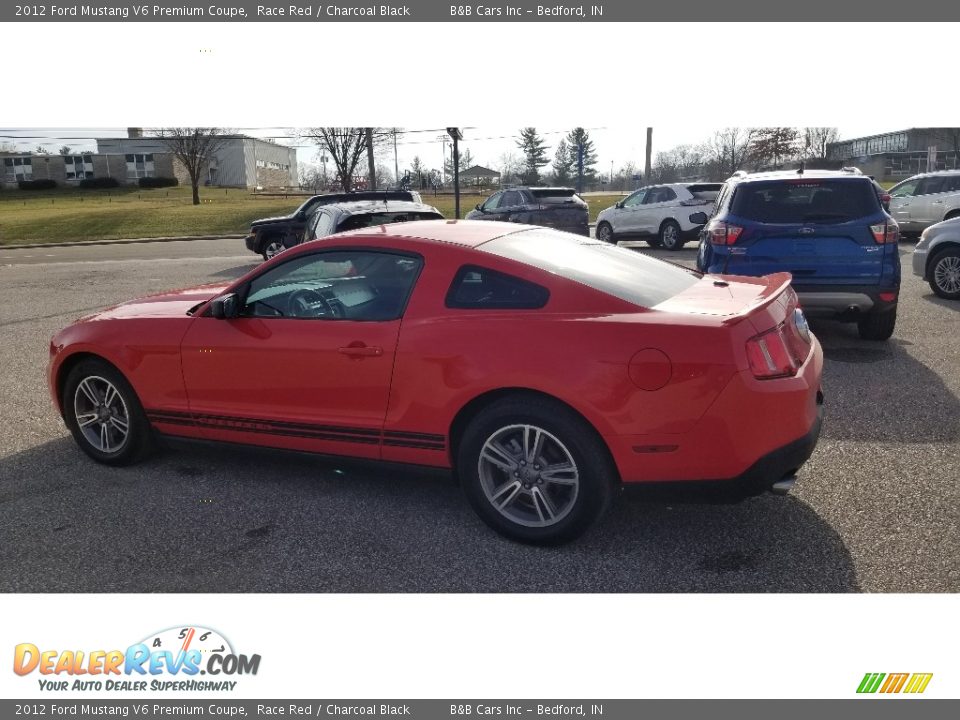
<point x="555" y="196"/>
<point x="622" y="273"/>
<point x="355" y="222"/>
<point x="805" y="201"/>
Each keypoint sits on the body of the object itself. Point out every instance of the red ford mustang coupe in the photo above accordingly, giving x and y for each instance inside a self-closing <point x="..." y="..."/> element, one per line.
<point x="545" y="368"/>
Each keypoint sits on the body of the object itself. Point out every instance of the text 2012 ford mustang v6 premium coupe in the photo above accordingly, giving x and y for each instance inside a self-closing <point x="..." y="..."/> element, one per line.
<point x="544" y="367"/>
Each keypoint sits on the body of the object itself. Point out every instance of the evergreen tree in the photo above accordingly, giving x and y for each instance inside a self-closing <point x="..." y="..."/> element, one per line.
<point x="576" y="138"/>
<point x="534" y="150"/>
<point x="563" y="164"/>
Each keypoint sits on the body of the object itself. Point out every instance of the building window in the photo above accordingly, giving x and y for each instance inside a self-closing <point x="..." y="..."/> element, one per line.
<point x="78" y="167"/>
<point x="139" y="166"/>
<point x="17" y="169"/>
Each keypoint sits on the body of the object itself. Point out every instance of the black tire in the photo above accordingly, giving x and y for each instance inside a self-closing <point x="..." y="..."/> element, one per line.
<point x="272" y="247"/>
<point x="578" y="503"/>
<point x="878" y="325"/>
<point x="124" y="407"/>
<point x="605" y="233"/>
<point x="942" y="273"/>
<point x="670" y="236"/>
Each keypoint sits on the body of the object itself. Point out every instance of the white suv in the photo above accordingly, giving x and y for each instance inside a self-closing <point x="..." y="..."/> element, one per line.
<point x="658" y="214"/>
<point x="920" y="201"/>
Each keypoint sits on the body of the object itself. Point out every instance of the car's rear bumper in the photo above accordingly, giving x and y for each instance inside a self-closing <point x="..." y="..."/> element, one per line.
<point x="754" y="434"/>
<point x="845" y="301"/>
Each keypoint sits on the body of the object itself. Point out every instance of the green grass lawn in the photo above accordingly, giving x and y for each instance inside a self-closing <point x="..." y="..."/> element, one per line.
<point x="64" y="215"/>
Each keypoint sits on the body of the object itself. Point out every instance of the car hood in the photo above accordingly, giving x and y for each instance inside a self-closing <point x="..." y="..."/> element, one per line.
<point x="271" y="220"/>
<point x="174" y="303"/>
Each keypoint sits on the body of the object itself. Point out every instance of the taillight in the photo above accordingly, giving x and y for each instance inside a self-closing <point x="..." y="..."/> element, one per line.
<point x="887" y="232"/>
<point x="722" y="233"/>
<point x="770" y="355"/>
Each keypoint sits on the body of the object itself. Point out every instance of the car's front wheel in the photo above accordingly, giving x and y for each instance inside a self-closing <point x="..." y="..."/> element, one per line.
<point x="670" y="238"/>
<point x="945" y="274"/>
<point x="273" y="247"/>
<point x="104" y="414"/>
<point x="534" y="471"/>
<point x="605" y="232"/>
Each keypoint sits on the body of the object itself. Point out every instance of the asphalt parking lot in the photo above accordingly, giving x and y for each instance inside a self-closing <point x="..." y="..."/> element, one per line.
<point x="876" y="509"/>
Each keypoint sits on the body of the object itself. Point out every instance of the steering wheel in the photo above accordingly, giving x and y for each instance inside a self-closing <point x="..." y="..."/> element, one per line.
<point x="310" y="303"/>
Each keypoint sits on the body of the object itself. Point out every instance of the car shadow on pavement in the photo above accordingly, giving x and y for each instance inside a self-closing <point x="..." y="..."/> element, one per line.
<point x="878" y="391"/>
<point x="942" y="302"/>
<point x="235" y="272"/>
<point x="204" y="518"/>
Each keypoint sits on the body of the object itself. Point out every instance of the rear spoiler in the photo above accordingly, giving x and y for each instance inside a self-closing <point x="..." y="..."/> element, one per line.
<point x="776" y="284"/>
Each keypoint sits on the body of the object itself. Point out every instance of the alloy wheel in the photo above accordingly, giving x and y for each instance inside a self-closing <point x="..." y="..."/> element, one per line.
<point x="946" y="274"/>
<point x="101" y="414"/>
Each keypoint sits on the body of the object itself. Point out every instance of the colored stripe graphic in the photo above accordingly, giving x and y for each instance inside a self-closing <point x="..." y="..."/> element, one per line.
<point x="894" y="683"/>
<point x="918" y="683"/>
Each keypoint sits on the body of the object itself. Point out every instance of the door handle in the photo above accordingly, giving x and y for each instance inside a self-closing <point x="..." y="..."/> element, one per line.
<point x="361" y="350"/>
<point x="938" y="202"/>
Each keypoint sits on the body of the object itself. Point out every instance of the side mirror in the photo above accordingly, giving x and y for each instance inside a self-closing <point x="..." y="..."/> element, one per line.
<point x="479" y="208"/>
<point x="225" y="307"/>
<point x="699" y="218"/>
<point x="619" y="205"/>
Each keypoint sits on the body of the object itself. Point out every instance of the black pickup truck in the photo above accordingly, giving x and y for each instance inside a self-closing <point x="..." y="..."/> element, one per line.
<point x="268" y="236"/>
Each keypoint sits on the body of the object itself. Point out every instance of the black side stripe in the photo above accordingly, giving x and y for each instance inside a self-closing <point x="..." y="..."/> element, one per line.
<point x="393" y="438"/>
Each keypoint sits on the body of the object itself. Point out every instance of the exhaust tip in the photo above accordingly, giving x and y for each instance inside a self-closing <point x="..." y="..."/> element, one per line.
<point x="784" y="486"/>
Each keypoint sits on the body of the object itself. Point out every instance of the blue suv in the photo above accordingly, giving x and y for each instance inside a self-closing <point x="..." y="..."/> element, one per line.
<point x="828" y="229"/>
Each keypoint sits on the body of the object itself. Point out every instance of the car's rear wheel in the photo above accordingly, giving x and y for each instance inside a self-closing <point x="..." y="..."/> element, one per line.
<point x="273" y="247"/>
<point x="669" y="237"/>
<point x="104" y="414"/>
<point x="534" y="471"/>
<point x="945" y="274"/>
<point x="878" y="325"/>
<point x="605" y="232"/>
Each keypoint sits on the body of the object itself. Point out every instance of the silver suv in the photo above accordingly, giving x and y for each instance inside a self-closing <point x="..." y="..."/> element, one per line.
<point x="937" y="258"/>
<point x="920" y="201"/>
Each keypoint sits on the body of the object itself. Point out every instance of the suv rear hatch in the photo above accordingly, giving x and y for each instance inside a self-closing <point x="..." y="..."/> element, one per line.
<point x="561" y="207"/>
<point x="821" y="230"/>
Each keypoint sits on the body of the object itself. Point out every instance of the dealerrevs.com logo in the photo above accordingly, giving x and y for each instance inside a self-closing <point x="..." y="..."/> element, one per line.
<point x="893" y="683"/>
<point x="172" y="659"/>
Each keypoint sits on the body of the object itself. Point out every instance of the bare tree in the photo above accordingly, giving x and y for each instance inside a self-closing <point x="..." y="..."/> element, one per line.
<point x="346" y="147"/>
<point x="730" y="148"/>
<point x="773" y="145"/>
<point x="65" y="150"/>
<point x="194" y="148"/>
<point x="311" y="177"/>
<point x="815" y="141"/>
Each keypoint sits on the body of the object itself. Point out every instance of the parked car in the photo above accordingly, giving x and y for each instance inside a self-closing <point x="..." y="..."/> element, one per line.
<point x="920" y="201"/>
<point x="658" y="215"/>
<point x="554" y="207"/>
<point x="827" y="228"/>
<point x="267" y="235"/>
<point x="937" y="258"/>
<point x="544" y="367"/>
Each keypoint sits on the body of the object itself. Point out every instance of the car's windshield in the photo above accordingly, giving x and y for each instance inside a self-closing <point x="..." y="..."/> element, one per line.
<point x="355" y="222"/>
<point x="625" y="274"/>
<point x="805" y="201"/>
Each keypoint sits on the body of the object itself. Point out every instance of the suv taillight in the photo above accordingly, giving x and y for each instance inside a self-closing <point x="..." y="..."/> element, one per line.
<point x="770" y="355"/>
<point x="723" y="233"/>
<point x="886" y="232"/>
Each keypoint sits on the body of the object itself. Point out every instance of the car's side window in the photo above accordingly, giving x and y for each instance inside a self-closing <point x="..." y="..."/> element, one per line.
<point x="493" y="201"/>
<point x="511" y="198"/>
<point x="476" y="287"/>
<point x="654" y="196"/>
<point x="721" y="198"/>
<point x="952" y="184"/>
<point x="337" y="285"/>
<point x="931" y="185"/>
<point x="322" y="225"/>
<point x="667" y="194"/>
<point x="904" y="189"/>
<point x="635" y="199"/>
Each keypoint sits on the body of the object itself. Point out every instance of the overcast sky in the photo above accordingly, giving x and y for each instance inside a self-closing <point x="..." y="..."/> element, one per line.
<point x="616" y="144"/>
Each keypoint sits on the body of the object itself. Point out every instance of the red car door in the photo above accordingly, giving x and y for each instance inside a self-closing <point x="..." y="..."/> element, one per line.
<point x="307" y="363"/>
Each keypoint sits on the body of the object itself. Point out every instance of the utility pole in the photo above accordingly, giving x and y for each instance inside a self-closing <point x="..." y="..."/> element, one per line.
<point x="646" y="165"/>
<point x="456" y="135"/>
<point x="371" y="166"/>
<point x="396" y="165"/>
<point x="443" y="166"/>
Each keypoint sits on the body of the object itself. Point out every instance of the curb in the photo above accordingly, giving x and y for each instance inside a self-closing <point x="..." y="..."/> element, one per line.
<point x="125" y="241"/>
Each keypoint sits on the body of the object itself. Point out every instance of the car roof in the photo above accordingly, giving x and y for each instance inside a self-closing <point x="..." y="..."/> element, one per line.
<point x="468" y="233"/>
<point x="932" y="174"/>
<point x="794" y="175"/>
<point x="361" y="207"/>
